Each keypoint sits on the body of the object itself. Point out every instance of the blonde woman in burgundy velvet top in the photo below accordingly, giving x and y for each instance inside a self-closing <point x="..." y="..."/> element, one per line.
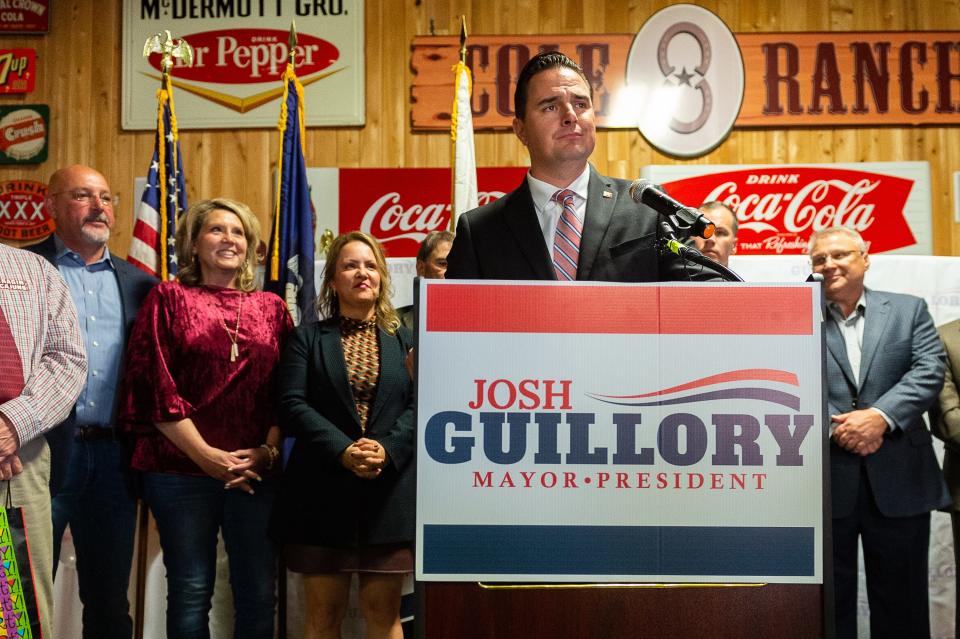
<point x="197" y="395"/>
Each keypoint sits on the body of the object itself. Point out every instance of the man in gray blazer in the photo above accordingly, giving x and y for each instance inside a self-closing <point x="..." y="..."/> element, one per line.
<point x="565" y="221"/>
<point x="884" y="367"/>
<point x="89" y="477"/>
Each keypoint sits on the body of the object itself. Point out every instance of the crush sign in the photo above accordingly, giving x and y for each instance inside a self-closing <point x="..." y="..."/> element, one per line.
<point x="607" y="432"/>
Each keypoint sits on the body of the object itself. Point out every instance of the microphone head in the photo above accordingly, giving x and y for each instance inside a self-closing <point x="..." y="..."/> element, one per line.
<point x="637" y="189"/>
<point x="709" y="228"/>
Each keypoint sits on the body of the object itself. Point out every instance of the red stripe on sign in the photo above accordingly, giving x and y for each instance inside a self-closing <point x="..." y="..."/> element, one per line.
<point x="685" y="310"/>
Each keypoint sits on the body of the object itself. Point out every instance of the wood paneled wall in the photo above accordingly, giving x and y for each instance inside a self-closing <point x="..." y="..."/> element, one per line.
<point x="80" y="79"/>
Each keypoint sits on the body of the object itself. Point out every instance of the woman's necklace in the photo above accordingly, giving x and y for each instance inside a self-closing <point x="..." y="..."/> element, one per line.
<point x="234" y="349"/>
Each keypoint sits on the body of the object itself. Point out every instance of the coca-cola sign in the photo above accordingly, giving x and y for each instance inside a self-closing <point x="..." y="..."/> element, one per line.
<point x="400" y="206"/>
<point x="779" y="207"/>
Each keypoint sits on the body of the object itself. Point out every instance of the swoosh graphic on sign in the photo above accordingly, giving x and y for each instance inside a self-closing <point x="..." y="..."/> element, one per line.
<point x="241" y="105"/>
<point x="746" y="374"/>
<point x="761" y="394"/>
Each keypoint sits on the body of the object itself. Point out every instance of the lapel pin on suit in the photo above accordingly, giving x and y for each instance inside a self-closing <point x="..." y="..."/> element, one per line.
<point x="607" y="194"/>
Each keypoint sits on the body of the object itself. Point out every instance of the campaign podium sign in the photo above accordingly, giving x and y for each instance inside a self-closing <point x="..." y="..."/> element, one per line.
<point x="604" y="432"/>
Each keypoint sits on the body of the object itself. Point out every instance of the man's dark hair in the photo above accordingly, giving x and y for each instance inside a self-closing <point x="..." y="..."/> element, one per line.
<point x="430" y="243"/>
<point x="536" y="64"/>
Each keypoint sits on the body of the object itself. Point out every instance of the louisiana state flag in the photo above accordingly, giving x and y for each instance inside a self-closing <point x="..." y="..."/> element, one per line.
<point x="290" y="259"/>
<point x="164" y="197"/>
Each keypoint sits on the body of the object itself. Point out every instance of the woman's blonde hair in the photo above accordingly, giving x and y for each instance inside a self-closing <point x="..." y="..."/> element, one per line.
<point x="189" y="228"/>
<point x="327" y="303"/>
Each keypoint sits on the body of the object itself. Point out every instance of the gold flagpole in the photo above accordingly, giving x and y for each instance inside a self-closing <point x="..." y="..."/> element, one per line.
<point x="168" y="48"/>
<point x="453" y="140"/>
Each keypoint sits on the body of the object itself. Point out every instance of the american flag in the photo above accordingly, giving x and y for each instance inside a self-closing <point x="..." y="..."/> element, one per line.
<point x="153" y="247"/>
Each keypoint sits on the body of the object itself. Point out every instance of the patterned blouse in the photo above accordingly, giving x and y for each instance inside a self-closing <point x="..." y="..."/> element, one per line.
<point x="361" y="352"/>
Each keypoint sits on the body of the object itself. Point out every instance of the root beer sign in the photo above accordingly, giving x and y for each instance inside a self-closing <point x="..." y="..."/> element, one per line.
<point x="23" y="216"/>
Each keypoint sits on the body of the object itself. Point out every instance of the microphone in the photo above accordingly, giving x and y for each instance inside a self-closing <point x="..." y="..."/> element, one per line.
<point x="675" y="246"/>
<point x="669" y="242"/>
<point x="645" y="192"/>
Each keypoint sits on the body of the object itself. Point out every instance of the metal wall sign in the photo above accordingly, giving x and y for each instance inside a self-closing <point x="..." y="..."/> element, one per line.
<point x="684" y="79"/>
<point x="23" y="133"/>
<point x="779" y="206"/>
<point x="25" y="16"/>
<point x="241" y="51"/>
<point x="23" y="216"/>
<point x="18" y="70"/>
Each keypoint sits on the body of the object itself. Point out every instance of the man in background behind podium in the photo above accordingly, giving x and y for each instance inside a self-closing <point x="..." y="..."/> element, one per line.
<point x="431" y="264"/>
<point x="884" y="368"/>
<point x="565" y="221"/>
<point x="723" y="243"/>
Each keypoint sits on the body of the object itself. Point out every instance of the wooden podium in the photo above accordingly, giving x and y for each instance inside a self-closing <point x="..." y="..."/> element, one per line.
<point x="637" y="492"/>
<point x="681" y="611"/>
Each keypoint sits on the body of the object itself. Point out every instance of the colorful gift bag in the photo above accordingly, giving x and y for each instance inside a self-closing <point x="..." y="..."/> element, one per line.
<point x="18" y="600"/>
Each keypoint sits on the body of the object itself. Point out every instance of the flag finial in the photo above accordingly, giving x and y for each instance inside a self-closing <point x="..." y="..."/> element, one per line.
<point x="463" y="38"/>
<point x="168" y="48"/>
<point x="292" y="42"/>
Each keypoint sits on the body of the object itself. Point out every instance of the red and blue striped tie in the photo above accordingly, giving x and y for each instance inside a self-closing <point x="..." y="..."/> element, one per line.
<point x="566" y="241"/>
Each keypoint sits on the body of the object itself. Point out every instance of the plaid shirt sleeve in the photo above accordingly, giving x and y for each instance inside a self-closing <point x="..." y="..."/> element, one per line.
<point x="50" y="343"/>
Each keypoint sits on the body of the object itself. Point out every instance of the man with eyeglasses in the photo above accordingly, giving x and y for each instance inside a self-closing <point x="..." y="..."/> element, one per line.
<point x="90" y="480"/>
<point x="884" y="369"/>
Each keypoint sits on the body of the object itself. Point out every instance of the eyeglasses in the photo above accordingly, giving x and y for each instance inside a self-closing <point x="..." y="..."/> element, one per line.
<point x="106" y="199"/>
<point x="837" y="256"/>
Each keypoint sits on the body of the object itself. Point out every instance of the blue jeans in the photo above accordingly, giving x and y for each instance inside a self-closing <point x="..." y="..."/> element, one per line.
<point x="189" y="512"/>
<point x="97" y="501"/>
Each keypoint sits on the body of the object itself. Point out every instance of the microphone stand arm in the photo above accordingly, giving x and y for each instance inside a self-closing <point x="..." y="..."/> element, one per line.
<point x="668" y="242"/>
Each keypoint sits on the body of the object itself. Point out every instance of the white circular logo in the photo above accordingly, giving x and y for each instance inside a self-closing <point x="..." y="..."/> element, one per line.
<point x="685" y="74"/>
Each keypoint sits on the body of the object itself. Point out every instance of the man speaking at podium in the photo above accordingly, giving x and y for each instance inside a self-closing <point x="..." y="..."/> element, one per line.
<point x="565" y="221"/>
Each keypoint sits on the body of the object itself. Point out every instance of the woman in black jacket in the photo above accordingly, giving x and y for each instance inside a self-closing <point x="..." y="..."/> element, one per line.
<point x="346" y="502"/>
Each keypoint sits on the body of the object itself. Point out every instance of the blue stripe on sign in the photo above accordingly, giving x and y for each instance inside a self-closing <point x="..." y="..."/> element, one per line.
<point x="618" y="550"/>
